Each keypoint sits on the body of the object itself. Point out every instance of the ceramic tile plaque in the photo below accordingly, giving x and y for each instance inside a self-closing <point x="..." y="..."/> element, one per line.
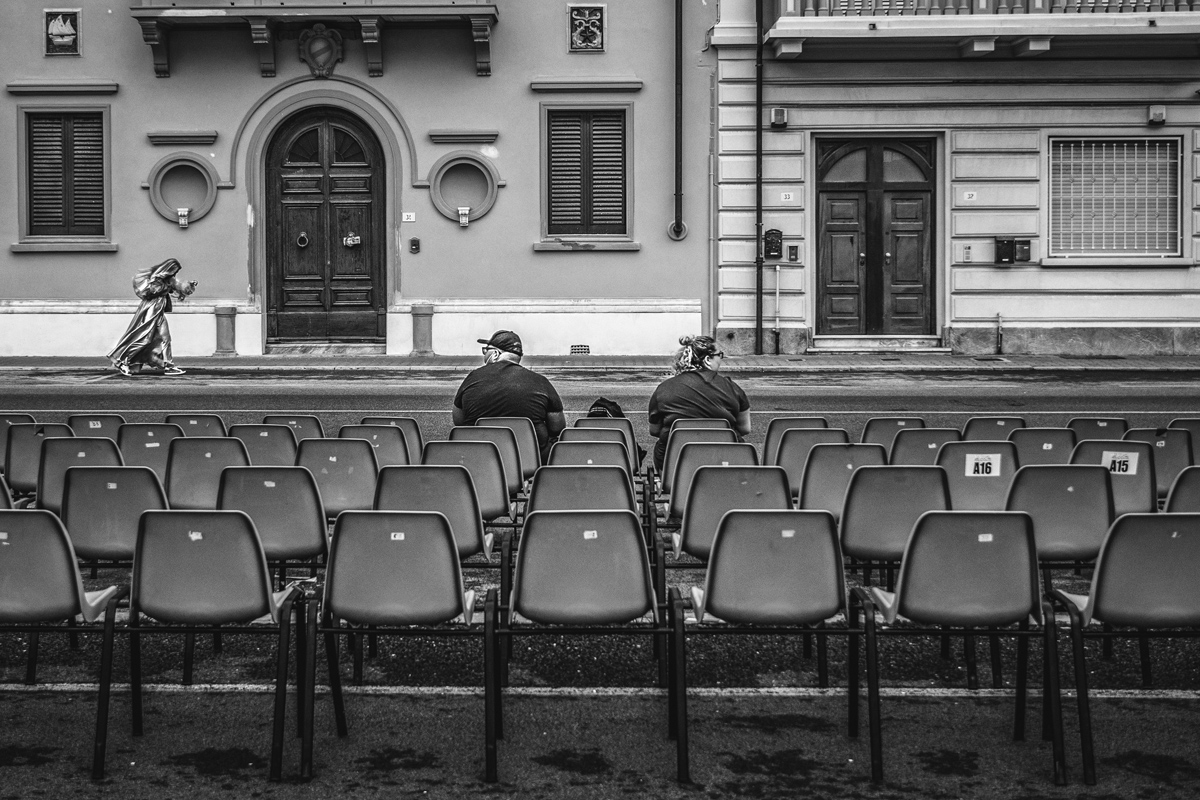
<point x="60" y="32"/>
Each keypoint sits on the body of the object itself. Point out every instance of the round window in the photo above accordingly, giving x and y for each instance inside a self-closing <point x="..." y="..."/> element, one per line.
<point x="464" y="180"/>
<point x="183" y="181"/>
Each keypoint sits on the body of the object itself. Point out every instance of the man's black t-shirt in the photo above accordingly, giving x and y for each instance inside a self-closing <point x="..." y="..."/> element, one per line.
<point x="698" y="394"/>
<point x="506" y="389"/>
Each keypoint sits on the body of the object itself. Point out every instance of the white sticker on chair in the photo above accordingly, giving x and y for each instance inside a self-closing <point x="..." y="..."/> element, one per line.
<point x="81" y="454"/>
<point x="152" y="444"/>
<point x="932" y="445"/>
<point x="591" y="534"/>
<point x="269" y="484"/>
<point x="333" y="458"/>
<point x="397" y="536"/>
<point x="983" y="465"/>
<point x="1101" y="424"/>
<point x="985" y="537"/>
<point x="92" y="423"/>
<point x="901" y="423"/>
<point x="292" y="422"/>
<point x="149" y="433"/>
<point x="1161" y="443"/>
<point x="1120" y="463"/>
<point x="208" y="455"/>
<point x="264" y="433"/>
<point x="111" y="485"/>
<point x="193" y="422"/>
<point x="195" y="536"/>
<point x="788" y="533"/>
<point x="724" y="463"/>
<point x="590" y="462"/>
<point x="1047" y="446"/>
<point x="3" y="536"/>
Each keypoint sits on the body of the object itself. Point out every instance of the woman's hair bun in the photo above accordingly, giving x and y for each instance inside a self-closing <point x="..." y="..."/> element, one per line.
<point x="686" y="341"/>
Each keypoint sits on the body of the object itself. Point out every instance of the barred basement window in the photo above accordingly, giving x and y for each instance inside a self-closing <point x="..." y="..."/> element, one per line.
<point x="65" y="186"/>
<point x="1115" y="197"/>
<point x="586" y="172"/>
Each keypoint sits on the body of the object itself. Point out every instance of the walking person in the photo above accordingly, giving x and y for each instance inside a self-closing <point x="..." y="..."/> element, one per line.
<point x="147" y="340"/>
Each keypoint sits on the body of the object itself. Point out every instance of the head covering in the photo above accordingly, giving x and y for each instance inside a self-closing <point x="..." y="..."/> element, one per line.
<point x="506" y="341"/>
<point x="695" y="350"/>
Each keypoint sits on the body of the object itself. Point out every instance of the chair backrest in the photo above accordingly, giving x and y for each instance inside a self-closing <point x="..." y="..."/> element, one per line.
<point x="1146" y="573"/>
<point x="391" y="448"/>
<point x="1184" y="496"/>
<point x="482" y="461"/>
<point x="194" y="466"/>
<point x="1043" y="445"/>
<point x="345" y="471"/>
<point x="147" y="444"/>
<point x="700" y="422"/>
<point x="200" y="567"/>
<point x="5" y="494"/>
<point x="582" y="567"/>
<point x="96" y="424"/>
<point x="567" y="488"/>
<point x="1071" y="506"/>
<point x="990" y="429"/>
<point x="828" y="472"/>
<point x="1192" y="426"/>
<point x="1172" y="453"/>
<point x="970" y="568"/>
<point x="267" y="445"/>
<point x="593" y="434"/>
<point x="589" y="453"/>
<point x="409" y="427"/>
<point x="781" y="425"/>
<point x="1098" y="427"/>
<point x="393" y="568"/>
<point x="7" y="420"/>
<point x="527" y="441"/>
<point x="694" y="455"/>
<point x="284" y="503"/>
<point x="447" y="490"/>
<point x="23" y="452"/>
<point x="101" y="507"/>
<point x="622" y="424"/>
<point x="883" y="430"/>
<point x="979" y="472"/>
<point x="304" y="426"/>
<point x="716" y="490"/>
<point x="795" y="445"/>
<point x="775" y="568"/>
<point x="1131" y="468"/>
<point x="678" y="438"/>
<point x="39" y="576"/>
<point x="60" y="454"/>
<point x="882" y="505"/>
<point x="917" y="447"/>
<point x="198" y="424"/>
<point x="506" y="444"/>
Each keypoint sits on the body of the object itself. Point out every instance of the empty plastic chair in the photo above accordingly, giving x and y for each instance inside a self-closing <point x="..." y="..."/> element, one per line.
<point x="1098" y="427"/>
<point x="1131" y="468"/>
<point x="194" y="466"/>
<point x="917" y="447"/>
<point x="576" y="488"/>
<point x="482" y="460"/>
<point x="267" y="445"/>
<point x="61" y="454"/>
<point x="717" y="490"/>
<point x="991" y="429"/>
<point x="622" y="424"/>
<point x="447" y="490"/>
<point x="101" y="507"/>
<point x="795" y="445"/>
<point x="7" y="421"/>
<point x="345" y="471"/>
<point x="781" y="425"/>
<point x="305" y="426"/>
<point x="694" y="455"/>
<point x="1043" y="445"/>
<point x="677" y="439"/>
<point x="589" y="453"/>
<point x="506" y="445"/>
<point x="828" y="472"/>
<point x="409" y="427"/>
<point x="1172" y="453"/>
<point x="1184" y="496"/>
<point x="284" y="504"/>
<point x="527" y="441"/>
<point x="23" y="453"/>
<point x="882" y="505"/>
<point x="883" y="430"/>
<point x="96" y="424"/>
<point x="198" y="424"/>
<point x="391" y="449"/>
<point x="590" y="434"/>
<point x="147" y="444"/>
<point x="1071" y="506"/>
<point x="700" y="422"/>
<point x="1192" y="426"/>
<point x="979" y="472"/>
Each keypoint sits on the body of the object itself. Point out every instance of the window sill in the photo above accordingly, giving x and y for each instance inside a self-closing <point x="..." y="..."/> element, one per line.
<point x="64" y="246"/>
<point x="1118" y="261"/>
<point x="584" y="245"/>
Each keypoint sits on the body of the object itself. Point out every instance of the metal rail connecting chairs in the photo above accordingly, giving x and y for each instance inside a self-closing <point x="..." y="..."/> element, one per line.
<point x="23" y="456"/>
<point x="1172" y="453"/>
<point x="409" y="427"/>
<point x="305" y="426"/>
<point x="1145" y="579"/>
<point x="40" y="585"/>
<point x="1043" y="445"/>
<point x="199" y="424"/>
<point x="96" y="424"/>
<point x="795" y="445"/>
<point x="60" y="455"/>
<point x="979" y="473"/>
<point x="883" y="430"/>
<point x="918" y="447"/>
<point x="267" y="445"/>
<point x="990" y="428"/>
<point x="345" y="471"/>
<point x="147" y="444"/>
<point x="391" y="448"/>
<point x="778" y="426"/>
<point x="194" y="466"/>
<point x="962" y="571"/>
<point x="1131" y="467"/>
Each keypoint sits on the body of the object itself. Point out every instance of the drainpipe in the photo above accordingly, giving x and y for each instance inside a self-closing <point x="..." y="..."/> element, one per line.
<point x="678" y="229"/>
<point x="758" y="179"/>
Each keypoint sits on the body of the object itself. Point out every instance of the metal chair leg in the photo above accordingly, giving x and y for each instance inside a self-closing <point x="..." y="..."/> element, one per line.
<point x="1022" y="684"/>
<point x="997" y="666"/>
<point x="335" y="676"/>
<point x="100" y="746"/>
<point x="1144" y="654"/>
<point x="281" y="675"/>
<point x="135" y="673"/>
<point x="679" y="679"/>
<point x="969" y="656"/>
<point x="189" y="656"/>
<point x="491" y="686"/>
<point x="31" y="660"/>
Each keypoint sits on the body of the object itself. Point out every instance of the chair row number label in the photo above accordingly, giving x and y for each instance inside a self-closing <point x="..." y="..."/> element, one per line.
<point x="983" y="465"/>
<point x="1120" y="463"/>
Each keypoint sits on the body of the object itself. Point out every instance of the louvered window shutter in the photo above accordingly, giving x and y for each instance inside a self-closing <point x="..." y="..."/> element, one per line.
<point x="66" y="175"/>
<point x="586" y="172"/>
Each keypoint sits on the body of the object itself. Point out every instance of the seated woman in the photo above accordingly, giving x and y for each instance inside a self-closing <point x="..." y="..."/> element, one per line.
<point x="696" y="391"/>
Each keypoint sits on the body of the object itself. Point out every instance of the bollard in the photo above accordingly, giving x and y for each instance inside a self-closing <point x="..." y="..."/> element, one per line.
<point x="225" y="331"/>
<point x="422" y="321"/>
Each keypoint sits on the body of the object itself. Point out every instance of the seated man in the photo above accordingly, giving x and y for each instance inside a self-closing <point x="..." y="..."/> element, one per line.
<point x="503" y="388"/>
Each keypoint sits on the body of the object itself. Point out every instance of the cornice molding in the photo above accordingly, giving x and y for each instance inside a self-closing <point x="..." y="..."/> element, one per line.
<point x="551" y="85"/>
<point x="77" y="86"/>
<point x="181" y="137"/>
<point x="451" y="136"/>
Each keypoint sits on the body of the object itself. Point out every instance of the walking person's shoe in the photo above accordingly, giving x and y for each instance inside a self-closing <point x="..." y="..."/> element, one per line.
<point x="124" y="369"/>
<point x="174" y="370"/>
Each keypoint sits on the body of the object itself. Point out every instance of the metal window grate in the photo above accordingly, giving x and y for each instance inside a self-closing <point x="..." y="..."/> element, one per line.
<point x="581" y="349"/>
<point x="1114" y="197"/>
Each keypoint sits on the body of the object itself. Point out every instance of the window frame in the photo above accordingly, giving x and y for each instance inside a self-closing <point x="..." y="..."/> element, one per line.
<point x="589" y="242"/>
<point x="60" y="243"/>
<point x="1184" y="208"/>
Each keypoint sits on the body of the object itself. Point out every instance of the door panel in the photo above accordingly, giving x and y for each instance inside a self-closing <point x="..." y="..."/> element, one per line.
<point x="840" y="270"/>
<point x="907" y="272"/>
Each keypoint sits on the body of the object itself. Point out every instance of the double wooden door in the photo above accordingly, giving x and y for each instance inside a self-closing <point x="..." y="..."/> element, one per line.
<point x="325" y="231"/>
<point x="875" y="265"/>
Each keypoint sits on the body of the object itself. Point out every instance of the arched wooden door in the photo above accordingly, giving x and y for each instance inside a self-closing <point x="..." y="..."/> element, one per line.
<point x="875" y="234"/>
<point x="326" y="244"/>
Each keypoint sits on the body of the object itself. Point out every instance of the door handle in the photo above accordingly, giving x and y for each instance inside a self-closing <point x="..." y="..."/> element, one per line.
<point x="887" y="259"/>
<point x="862" y="259"/>
<point x="351" y="240"/>
<point x="302" y="239"/>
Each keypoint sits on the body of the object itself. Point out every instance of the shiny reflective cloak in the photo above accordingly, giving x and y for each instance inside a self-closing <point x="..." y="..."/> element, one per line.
<point x="147" y="340"/>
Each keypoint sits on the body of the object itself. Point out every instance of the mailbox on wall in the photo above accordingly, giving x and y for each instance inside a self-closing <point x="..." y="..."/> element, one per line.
<point x="1009" y="251"/>
<point x="773" y="243"/>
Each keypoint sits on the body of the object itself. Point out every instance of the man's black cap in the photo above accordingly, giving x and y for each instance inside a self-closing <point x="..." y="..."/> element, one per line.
<point x="507" y="341"/>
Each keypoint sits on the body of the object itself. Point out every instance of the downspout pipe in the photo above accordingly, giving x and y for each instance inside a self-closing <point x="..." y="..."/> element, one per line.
<point x="758" y="179"/>
<point x="678" y="229"/>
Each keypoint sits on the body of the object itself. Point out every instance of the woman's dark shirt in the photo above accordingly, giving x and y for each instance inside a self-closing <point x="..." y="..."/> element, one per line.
<point x="693" y="395"/>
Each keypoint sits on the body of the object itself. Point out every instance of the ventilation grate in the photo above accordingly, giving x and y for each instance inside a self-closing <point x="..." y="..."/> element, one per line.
<point x="581" y="349"/>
